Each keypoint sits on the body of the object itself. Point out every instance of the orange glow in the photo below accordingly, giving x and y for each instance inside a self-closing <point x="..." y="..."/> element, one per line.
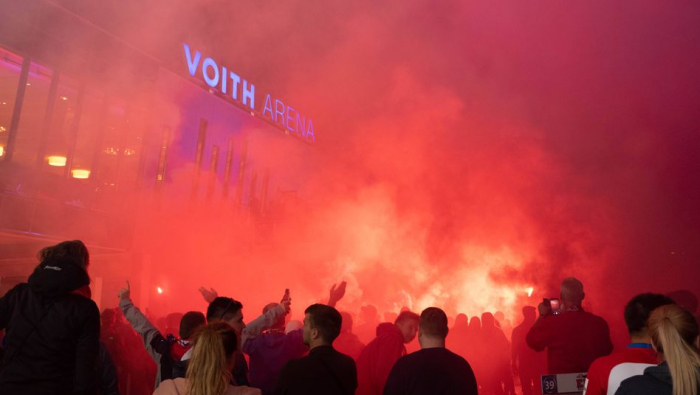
<point x="58" y="161"/>
<point x="80" y="173"/>
<point x="160" y="290"/>
<point x="529" y="291"/>
<point x="2" y="150"/>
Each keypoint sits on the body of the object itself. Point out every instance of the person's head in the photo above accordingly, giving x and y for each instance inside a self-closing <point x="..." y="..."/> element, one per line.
<point x="227" y="310"/>
<point x="407" y="322"/>
<point x="74" y="250"/>
<point x="347" y="322"/>
<point x="108" y="318"/>
<point x="322" y="325"/>
<point x="462" y="321"/>
<point x="487" y="321"/>
<point x="189" y="323"/>
<point x="209" y="369"/>
<point x="279" y="324"/>
<point x="529" y="313"/>
<point x="172" y="322"/>
<point x="432" y="328"/>
<point x="571" y="293"/>
<point x="639" y="308"/>
<point x="674" y="335"/>
<point x="475" y="324"/>
<point x="368" y="313"/>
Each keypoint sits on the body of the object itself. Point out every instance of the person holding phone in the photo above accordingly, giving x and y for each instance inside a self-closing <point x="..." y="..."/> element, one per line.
<point x="574" y="338"/>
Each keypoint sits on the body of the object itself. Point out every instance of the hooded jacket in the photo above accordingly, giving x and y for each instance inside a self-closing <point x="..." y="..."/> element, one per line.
<point x="52" y="332"/>
<point x="656" y="380"/>
<point x="377" y="359"/>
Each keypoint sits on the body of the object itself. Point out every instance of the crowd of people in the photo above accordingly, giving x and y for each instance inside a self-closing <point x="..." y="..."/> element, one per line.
<point x="57" y="342"/>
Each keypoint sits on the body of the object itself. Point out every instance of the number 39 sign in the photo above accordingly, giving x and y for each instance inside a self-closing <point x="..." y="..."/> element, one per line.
<point x="570" y="383"/>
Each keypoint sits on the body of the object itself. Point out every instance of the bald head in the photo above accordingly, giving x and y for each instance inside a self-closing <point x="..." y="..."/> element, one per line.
<point x="572" y="292"/>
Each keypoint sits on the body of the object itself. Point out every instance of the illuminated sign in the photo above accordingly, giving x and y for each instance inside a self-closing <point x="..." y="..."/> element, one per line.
<point x="241" y="90"/>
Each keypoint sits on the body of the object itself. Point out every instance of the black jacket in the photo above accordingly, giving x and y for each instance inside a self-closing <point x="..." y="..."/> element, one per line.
<point x="656" y="380"/>
<point x="323" y="371"/>
<point x="52" y="339"/>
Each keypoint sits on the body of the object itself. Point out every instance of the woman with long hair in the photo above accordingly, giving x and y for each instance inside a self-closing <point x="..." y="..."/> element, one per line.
<point x="674" y="335"/>
<point x="209" y="369"/>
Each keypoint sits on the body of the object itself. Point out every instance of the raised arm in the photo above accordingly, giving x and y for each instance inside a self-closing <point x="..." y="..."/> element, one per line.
<point x="255" y="327"/>
<point x="336" y="293"/>
<point x="139" y="322"/>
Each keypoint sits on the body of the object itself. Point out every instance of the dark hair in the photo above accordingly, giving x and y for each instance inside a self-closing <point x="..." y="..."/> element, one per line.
<point x="433" y="322"/>
<point x="639" y="308"/>
<point x="326" y="319"/>
<point x="74" y="250"/>
<point x="223" y="307"/>
<point x="407" y="315"/>
<point x="190" y="322"/>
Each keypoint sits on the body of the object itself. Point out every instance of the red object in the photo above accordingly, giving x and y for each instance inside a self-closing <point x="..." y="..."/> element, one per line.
<point x="574" y="339"/>
<point x="599" y="372"/>
<point x="377" y="359"/>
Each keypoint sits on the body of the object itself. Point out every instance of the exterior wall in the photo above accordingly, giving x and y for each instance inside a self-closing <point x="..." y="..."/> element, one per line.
<point x="154" y="141"/>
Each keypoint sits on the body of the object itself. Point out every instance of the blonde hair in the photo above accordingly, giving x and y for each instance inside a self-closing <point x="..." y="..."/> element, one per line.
<point x="674" y="332"/>
<point x="208" y="372"/>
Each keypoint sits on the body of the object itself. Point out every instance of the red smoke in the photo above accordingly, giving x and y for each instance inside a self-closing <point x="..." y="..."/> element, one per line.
<point x="465" y="152"/>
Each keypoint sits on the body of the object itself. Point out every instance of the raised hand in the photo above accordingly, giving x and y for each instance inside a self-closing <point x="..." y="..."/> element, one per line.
<point x="337" y="293"/>
<point x="125" y="293"/>
<point x="208" y="294"/>
<point x="286" y="301"/>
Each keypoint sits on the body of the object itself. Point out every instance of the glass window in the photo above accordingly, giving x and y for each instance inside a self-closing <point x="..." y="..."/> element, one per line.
<point x="114" y="129"/>
<point x="59" y="136"/>
<point x="31" y="124"/>
<point x="132" y="149"/>
<point x="89" y="131"/>
<point x="10" y="68"/>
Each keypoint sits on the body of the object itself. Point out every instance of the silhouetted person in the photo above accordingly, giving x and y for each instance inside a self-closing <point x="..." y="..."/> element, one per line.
<point x="527" y="363"/>
<point x="53" y="327"/>
<point x="458" y="340"/>
<point x="380" y="355"/>
<point x="476" y="348"/>
<point x="674" y="334"/>
<point x="497" y="378"/>
<point x="606" y="373"/>
<point x="574" y="338"/>
<point x="366" y="330"/>
<point x="347" y="342"/>
<point x="324" y="370"/>
<point x="434" y="369"/>
<point x="504" y="324"/>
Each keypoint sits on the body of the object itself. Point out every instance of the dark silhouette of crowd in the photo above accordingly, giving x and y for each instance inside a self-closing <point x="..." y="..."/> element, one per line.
<point x="56" y="342"/>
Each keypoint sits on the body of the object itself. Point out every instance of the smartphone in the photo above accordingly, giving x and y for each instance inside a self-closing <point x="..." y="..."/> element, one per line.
<point x="556" y="306"/>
